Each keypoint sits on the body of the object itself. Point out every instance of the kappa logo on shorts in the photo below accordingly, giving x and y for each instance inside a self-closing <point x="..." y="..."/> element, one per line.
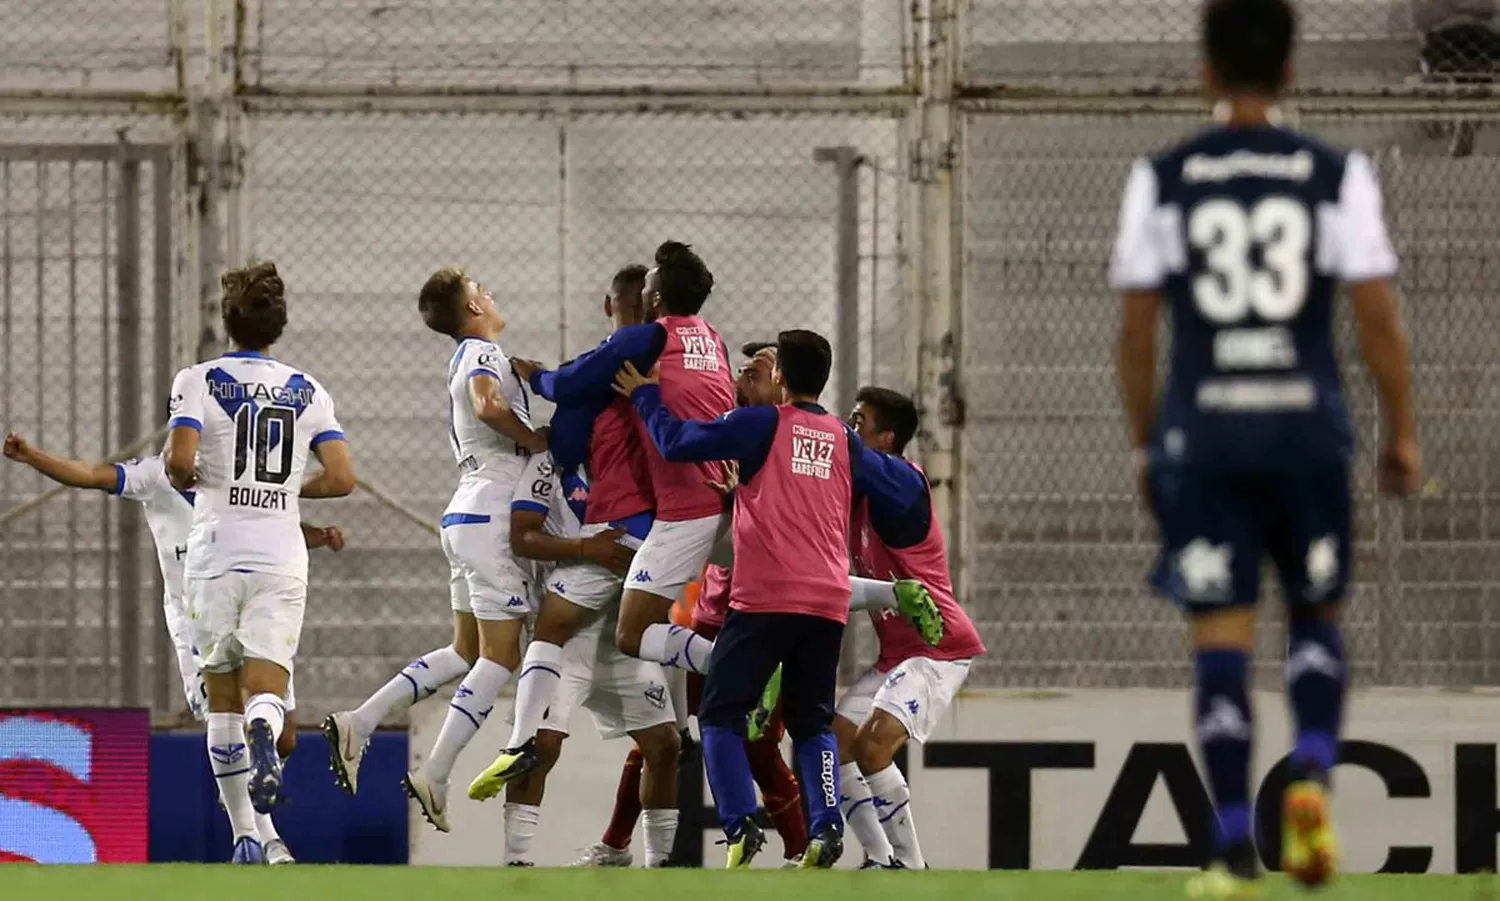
<point x="515" y="602"/>
<point x="657" y="695"/>
<point x="642" y="576"/>
<point x="559" y="587"/>
<point x="911" y="707"/>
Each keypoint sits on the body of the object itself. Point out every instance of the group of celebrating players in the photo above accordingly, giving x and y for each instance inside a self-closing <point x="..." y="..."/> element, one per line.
<point x="660" y="468"/>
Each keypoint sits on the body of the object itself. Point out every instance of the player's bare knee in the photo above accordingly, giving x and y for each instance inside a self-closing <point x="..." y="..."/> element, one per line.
<point x="844" y="731"/>
<point x="548" y="750"/>
<point x="500" y="642"/>
<point x="223" y="692"/>
<point x="878" y="740"/>
<point x="659" y="747"/>
<point x="466" y="637"/>
<point x="638" y="609"/>
<point x="559" y="620"/>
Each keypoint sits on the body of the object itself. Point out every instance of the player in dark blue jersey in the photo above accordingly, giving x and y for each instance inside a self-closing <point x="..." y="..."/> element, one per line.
<point x="1244" y="232"/>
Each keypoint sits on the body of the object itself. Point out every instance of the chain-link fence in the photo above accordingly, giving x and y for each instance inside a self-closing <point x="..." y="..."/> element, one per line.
<point x="542" y="145"/>
<point x="545" y="144"/>
<point x="1057" y="544"/>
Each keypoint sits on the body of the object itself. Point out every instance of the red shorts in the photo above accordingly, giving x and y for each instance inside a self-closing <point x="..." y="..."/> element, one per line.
<point x="775" y="731"/>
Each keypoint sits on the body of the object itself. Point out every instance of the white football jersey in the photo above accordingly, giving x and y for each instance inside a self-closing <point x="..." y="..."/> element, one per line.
<point x="485" y="458"/>
<point x="169" y="514"/>
<point x="258" y="420"/>
<point x="542" y="489"/>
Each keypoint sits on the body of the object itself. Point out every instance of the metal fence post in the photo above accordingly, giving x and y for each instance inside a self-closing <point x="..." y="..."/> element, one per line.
<point x="935" y="289"/>
<point x="846" y="164"/>
<point x="128" y="380"/>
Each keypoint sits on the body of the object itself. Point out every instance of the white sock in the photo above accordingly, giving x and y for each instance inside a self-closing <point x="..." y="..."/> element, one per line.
<point x="471" y="703"/>
<point x="536" y="688"/>
<point x="231" y="766"/>
<point x="266" y="829"/>
<point x="894" y="805"/>
<point x="268" y="707"/>
<point x="419" y="680"/>
<point x="871" y="594"/>
<point x="672" y="645"/>
<point x="520" y="829"/>
<point x="661" y="832"/>
<point x="858" y="807"/>
<point x="677" y="691"/>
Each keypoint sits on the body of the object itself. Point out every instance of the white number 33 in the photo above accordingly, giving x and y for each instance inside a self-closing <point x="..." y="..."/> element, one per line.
<point x="1233" y="287"/>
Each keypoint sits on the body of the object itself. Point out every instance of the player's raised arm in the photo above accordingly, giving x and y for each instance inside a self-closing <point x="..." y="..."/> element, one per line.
<point x="491" y="408"/>
<point x="740" y="435"/>
<point x="589" y="376"/>
<point x="1366" y="262"/>
<point x="72" y="473"/>
<point x="331" y="449"/>
<point x="185" y="426"/>
<point x="1136" y="270"/>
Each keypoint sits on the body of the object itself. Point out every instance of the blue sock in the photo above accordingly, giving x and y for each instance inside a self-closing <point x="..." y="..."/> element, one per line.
<point x="1315" y="683"/>
<point x="818" y="770"/>
<point x="729" y="777"/>
<point x="1225" y="730"/>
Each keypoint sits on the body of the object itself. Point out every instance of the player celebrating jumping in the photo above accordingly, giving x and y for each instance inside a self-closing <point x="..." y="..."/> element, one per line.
<point x="241" y="431"/>
<point x="1244" y="231"/>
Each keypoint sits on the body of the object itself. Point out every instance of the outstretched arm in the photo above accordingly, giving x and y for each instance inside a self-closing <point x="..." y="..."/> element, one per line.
<point x="590" y="376"/>
<point x="738" y="435"/>
<point x="72" y="473"/>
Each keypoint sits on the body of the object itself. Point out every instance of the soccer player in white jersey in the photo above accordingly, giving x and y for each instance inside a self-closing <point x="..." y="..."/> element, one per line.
<point x="169" y="516"/>
<point x="241" y="431"/>
<point x="491" y="437"/>
<point x="626" y="696"/>
<point x="1243" y="233"/>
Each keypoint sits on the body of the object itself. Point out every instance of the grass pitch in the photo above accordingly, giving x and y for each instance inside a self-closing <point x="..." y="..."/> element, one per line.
<point x="168" y="882"/>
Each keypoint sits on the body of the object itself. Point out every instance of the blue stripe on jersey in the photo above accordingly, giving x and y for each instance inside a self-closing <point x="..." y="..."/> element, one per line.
<point x="531" y="506"/>
<point x="576" y="492"/>
<point x="486" y="372"/>
<point x="119" y="480"/>
<point x="637" y="526"/>
<point x="185" y="422"/>
<point x="464" y="519"/>
<point x="330" y="435"/>
<point x="188" y="496"/>
<point x="255" y="354"/>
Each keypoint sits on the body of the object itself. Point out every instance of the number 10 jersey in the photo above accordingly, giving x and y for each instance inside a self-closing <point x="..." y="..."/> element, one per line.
<point x="258" y="420"/>
<point x="1246" y="232"/>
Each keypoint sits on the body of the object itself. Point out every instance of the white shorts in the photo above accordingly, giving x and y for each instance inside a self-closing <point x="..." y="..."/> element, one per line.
<point x="917" y="692"/>
<point x="674" y="554"/>
<point x="190" y="662"/>
<point x="483" y="578"/>
<point x="246" y="614"/>
<point x="589" y="585"/>
<point x="624" y="695"/>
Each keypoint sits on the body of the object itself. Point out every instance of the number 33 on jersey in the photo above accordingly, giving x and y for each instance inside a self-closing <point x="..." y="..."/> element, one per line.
<point x="1246" y="233"/>
<point x="258" y="420"/>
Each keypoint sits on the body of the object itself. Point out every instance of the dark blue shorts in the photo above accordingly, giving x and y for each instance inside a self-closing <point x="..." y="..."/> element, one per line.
<point x="747" y="651"/>
<point x="1217" y="526"/>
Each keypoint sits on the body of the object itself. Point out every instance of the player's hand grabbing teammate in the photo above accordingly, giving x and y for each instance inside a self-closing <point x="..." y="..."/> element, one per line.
<point x="605" y="550"/>
<point x="330" y="537"/>
<point x="524" y="368"/>
<point x="629" y="378"/>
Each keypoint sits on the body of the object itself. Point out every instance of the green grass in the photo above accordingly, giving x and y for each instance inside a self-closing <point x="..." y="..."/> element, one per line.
<point x="168" y="882"/>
